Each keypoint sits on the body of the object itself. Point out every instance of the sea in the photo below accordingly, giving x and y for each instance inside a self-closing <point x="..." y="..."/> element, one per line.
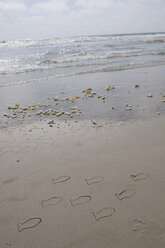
<point x="32" y="60"/>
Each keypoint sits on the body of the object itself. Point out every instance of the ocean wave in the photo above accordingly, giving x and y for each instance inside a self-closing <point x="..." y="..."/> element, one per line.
<point x="148" y="37"/>
<point x="156" y="41"/>
<point x="48" y="61"/>
<point x="159" y="53"/>
<point x="73" y="62"/>
<point x="91" y="71"/>
<point x="69" y="53"/>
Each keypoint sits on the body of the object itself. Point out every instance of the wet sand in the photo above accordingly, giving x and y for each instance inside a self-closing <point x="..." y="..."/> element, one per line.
<point x="83" y="186"/>
<point x="98" y="182"/>
<point x="150" y="81"/>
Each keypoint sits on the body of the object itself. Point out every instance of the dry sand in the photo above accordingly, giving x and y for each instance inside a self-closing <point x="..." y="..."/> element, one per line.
<point x="82" y="186"/>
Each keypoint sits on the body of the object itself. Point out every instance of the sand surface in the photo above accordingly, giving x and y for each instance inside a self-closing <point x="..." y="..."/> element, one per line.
<point x="83" y="186"/>
<point x="93" y="178"/>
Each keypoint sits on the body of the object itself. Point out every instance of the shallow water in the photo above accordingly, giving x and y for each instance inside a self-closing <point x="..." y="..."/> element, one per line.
<point x="150" y="81"/>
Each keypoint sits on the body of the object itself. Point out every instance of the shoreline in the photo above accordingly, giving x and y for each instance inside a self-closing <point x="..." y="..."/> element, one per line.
<point x="124" y="102"/>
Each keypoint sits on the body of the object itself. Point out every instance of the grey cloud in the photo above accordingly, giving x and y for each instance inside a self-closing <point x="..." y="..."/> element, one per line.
<point x="22" y="18"/>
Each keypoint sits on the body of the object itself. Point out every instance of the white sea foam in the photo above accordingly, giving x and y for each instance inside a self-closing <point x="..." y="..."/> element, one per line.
<point x="76" y="55"/>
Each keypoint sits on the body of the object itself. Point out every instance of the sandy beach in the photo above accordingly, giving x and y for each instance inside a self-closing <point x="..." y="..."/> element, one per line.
<point x="91" y="179"/>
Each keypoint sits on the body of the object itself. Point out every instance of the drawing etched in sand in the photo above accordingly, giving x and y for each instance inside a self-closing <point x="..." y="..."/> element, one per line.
<point x="139" y="176"/>
<point x="30" y="223"/>
<point x="51" y="201"/>
<point x="125" y="194"/>
<point x="96" y="179"/>
<point x="80" y="200"/>
<point x="103" y="213"/>
<point x="61" y="179"/>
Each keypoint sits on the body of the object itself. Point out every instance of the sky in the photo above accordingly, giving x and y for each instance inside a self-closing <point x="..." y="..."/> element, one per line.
<point x="20" y="19"/>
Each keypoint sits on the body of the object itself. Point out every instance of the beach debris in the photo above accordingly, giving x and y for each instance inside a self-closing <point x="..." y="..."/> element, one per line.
<point x="48" y="112"/>
<point x="163" y="100"/>
<point x="158" y="113"/>
<point x="73" y="108"/>
<point x="96" y="179"/>
<point x="39" y="113"/>
<point x="67" y="113"/>
<point x="83" y="199"/>
<point x="56" y="99"/>
<point x="103" y="213"/>
<point x="51" y="122"/>
<point x="121" y="123"/>
<point x="93" y="122"/>
<point x="88" y="92"/>
<point x="7" y="115"/>
<point x="89" y="89"/>
<point x="14" y="107"/>
<point x="30" y="223"/>
<point x="150" y="95"/>
<point x="110" y="87"/>
<point x="126" y="104"/>
<point x="51" y="201"/>
<point x="47" y="98"/>
<point x="73" y="98"/>
<point x="139" y="176"/>
<point x="101" y="97"/>
<point x="59" y="114"/>
<point x="125" y="194"/>
<point x="61" y="179"/>
<point x="137" y="86"/>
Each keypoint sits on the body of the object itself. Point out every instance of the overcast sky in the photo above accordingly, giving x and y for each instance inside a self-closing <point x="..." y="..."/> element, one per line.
<point x="21" y="19"/>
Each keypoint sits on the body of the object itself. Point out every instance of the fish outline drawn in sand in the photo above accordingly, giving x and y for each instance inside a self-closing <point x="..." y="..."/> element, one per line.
<point x="61" y="179"/>
<point x="52" y="201"/>
<point x="95" y="179"/>
<point x="82" y="199"/>
<point x="103" y="213"/>
<point x="139" y="176"/>
<point x="125" y="194"/>
<point x="138" y="225"/>
<point x="33" y="222"/>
